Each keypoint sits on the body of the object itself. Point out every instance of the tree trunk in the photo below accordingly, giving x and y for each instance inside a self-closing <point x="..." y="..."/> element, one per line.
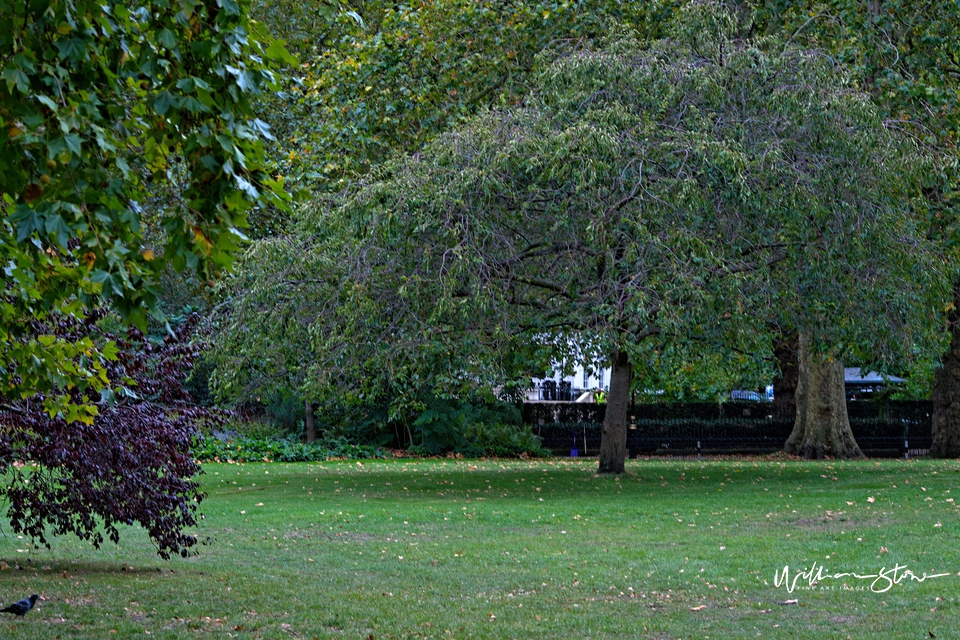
<point x="785" y="382"/>
<point x="310" y="426"/>
<point x="613" y="439"/>
<point x="822" y="427"/>
<point x="946" y="392"/>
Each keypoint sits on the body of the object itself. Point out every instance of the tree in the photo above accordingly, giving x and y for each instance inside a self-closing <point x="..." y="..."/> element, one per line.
<point x="115" y="117"/>
<point x="262" y="340"/>
<point x="641" y="194"/>
<point x="131" y="464"/>
<point x="787" y="377"/>
<point x="822" y="426"/>
<point x="904" y="55"/>
<point x="376" y="79"/>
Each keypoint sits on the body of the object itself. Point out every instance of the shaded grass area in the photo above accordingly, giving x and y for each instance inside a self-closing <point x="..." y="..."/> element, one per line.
<point x="527" y="549"/>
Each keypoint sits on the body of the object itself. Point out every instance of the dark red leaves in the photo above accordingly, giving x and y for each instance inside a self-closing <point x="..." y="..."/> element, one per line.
<point x="132" y="465"/>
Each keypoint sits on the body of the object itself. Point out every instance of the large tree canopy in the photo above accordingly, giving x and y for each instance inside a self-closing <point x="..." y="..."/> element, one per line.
<point x="380" y="77"/>
<point x="377" y="79"/>
<point x="681" y="193"/>
<point x="905" y="55"/>
<point x="115" y="116"/>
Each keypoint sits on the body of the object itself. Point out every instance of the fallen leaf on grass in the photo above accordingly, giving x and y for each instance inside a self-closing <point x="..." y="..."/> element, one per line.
<point x="790" y="602"/>
<point x="700" y="608"/>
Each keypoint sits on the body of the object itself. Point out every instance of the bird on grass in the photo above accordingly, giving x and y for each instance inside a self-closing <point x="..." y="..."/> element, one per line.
<point x="21" y="607"/>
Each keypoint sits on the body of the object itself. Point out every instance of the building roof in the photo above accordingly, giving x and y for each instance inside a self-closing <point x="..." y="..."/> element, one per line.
<point x="853" y="375"/>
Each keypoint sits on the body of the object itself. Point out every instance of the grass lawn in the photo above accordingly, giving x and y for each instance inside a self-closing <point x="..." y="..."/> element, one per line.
<point x="521" y="549"/>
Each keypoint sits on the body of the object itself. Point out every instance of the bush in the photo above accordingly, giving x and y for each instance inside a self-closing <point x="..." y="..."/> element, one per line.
<point x="244" y="428"/>
<point x="474" y="428"/>
<point x="505" y="440"/>
<point x="367" y="423"/>
<point x="243" y="449"/>
<point x="130" y="464"/>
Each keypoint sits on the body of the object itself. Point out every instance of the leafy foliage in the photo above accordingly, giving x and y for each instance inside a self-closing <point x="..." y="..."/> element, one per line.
<point x="904" y="54"/>
<point x="116" y="117"/>
<point x="378" y="78"/>
<point x="131" y="464"/>
<point x="375" y="79"/>
<point x="682" y="193"/>
<point x="246" y="449"/>
<point x="473" y="428"/>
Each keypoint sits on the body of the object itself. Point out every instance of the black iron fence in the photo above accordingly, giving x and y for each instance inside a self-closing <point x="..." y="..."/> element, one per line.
<point x="881" y="429"/>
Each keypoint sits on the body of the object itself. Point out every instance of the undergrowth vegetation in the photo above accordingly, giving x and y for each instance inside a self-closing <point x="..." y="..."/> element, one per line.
<point x="248" y="449"/>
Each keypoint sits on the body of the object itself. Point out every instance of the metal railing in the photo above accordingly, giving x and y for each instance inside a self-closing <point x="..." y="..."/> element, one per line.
<point x="887" y="430"/>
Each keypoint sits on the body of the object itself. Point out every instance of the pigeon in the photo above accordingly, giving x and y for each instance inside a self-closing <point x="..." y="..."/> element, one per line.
<point x="21" y="607"/>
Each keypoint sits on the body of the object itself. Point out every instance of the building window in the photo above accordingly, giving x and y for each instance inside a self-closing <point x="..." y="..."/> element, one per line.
<point x="586" y="378"/>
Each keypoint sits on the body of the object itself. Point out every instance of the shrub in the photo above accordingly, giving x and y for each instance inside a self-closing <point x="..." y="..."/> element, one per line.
<point x="474" y="428"/>
<point x="243" y="449"/>
<point x="131" y="463"/>
<point x="505" y="440"/>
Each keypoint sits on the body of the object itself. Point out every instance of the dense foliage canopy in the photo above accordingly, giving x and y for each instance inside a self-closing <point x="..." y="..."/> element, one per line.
<point x="691" y="190"/>
<point x="117" y="118"/>
<point x="376" y="79"/>
<point x="131" y="464"/>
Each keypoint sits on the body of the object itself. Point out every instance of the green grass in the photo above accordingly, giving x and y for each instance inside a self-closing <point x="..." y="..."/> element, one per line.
<point x="518" y="549"/>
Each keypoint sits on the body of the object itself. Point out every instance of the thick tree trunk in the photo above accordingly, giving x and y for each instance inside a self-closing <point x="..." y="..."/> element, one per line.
<point x="787" y="377"/>
<point x="822" y="427"/>
<point x="613" y="439"/>
<point x="946" y="392"/>
<point x="310" y="425"/>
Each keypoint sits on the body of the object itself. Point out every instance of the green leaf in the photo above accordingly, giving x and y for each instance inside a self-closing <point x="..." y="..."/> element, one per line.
<point x="16" y="77"/>
<point x="167" y="38"/>
<point x="246" y="82"/>
<point x="186" y="85"/>
<point x="27" y="220"/>
<point x="110" y="351"/>
<point x="57" y="226"/>
<point x="164" y="101"/>
<point x="356" y="18"/>
<point x="73" y="49"/>
<point x="50" y="104"/>
<point x="247" y="188"/>
<point x="193" y="105"/>
<point x="277" y="51"/>
<point x="262" y="128"/>
<point x="73" y="142"/>
<point x="107" y="396"/>
<point x="230" y="7"/>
